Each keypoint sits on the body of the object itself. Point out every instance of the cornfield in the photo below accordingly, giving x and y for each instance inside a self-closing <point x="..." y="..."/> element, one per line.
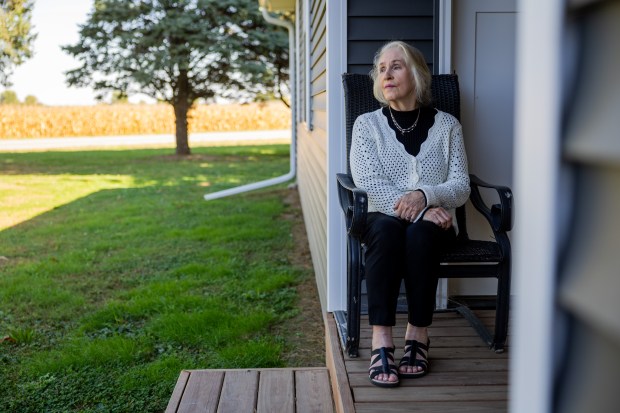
<point x="19" y="121"/>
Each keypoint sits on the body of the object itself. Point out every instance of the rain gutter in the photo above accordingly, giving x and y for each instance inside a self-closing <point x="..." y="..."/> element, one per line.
<point x="293" y="167"/>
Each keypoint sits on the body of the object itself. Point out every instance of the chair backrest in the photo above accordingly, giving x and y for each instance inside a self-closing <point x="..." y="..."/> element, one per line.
<point x="359" y="99"/>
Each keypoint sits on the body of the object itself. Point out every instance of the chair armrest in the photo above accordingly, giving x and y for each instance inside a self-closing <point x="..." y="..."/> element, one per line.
<point x="354" y="204"/>
<point x="499" y="215"/>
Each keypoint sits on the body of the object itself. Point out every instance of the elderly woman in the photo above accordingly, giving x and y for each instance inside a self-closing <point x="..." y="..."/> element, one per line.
<point x="411" y="160"/>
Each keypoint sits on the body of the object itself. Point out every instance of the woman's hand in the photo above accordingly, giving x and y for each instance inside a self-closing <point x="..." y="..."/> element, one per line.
<point x="409" y="206"/>
<point x="438" y="216"/>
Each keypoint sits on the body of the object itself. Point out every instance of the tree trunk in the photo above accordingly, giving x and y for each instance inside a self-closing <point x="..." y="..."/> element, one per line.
<point x="180" y="114"/>
<point x="182" y="105"/>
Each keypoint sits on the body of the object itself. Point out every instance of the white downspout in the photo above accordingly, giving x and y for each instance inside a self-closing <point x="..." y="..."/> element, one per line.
<point x="292" y="172"/>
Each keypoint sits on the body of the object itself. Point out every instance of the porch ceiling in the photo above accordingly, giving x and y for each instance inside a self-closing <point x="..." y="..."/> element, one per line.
<point x="278" y="5"/>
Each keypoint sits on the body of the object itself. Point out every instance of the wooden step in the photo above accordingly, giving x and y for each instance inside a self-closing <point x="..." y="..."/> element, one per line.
<point x="252" y="390"/>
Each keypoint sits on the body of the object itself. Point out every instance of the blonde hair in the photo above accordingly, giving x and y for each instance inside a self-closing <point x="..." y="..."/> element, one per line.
<point x="415" y="62"/>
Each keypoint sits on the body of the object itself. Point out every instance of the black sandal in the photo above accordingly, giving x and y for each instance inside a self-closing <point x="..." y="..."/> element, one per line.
<point x="414" y="348"/>
<point x="387" y="366"/>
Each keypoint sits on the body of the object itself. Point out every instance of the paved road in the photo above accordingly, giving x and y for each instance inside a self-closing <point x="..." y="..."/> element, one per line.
<point x="142" y="141"/>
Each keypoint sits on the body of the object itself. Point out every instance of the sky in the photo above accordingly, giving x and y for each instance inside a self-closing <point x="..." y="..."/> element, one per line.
<point x="56" y="22"/>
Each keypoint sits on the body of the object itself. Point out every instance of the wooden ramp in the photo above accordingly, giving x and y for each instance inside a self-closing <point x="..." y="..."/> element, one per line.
<point x="294" y="390"/>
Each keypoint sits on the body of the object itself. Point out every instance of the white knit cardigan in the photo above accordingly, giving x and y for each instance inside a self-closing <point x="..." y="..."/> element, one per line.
<point x="381" y="165"/>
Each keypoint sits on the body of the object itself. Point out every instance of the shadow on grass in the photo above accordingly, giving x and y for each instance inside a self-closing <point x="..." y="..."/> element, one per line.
<point x="154" y="166"/>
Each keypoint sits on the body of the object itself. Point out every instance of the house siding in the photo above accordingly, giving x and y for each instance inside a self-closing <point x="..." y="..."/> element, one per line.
<point x="370" y="24"/>
<point x="312" y="136"/>
<point x="587" y="277"/>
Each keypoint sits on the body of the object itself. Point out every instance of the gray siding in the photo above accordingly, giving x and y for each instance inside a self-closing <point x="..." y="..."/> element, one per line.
<point x="372" y="23"/>
<point x="312" y="145"/>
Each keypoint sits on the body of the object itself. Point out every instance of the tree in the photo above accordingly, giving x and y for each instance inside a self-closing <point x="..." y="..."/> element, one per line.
<point x="16" y="36"/>
<point x="31" y="100"/>
<point x="118" y="97"/>
<point x="179" y="51"/>
<point x="9" y="97"/>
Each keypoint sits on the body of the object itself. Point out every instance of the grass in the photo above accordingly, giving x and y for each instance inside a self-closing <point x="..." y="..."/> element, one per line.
<point x="115" y="274"/>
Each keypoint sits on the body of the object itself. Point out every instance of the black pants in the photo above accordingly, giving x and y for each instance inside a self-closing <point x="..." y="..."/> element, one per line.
<point x="397" y="250"/>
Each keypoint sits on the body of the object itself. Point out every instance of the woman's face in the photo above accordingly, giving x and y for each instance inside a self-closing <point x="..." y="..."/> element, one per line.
<point x="396" y="82"/>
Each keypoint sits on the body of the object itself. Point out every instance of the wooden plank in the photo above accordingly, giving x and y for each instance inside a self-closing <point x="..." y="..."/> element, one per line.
<point x="276" y="391"/>
<point x="490" y="313"/>
<point x="461" y="329"/>
<point x="313" y="392"/>
<point x="177" y="393"/>
<point x="438" y="319"/>
<point x="433" y="407"/>
<point x="464" y="331"/>
<point x="436" y="341"/>
<point x="432" y="394"/>
<point x="239" y="392"/>
<point x="201" y="392"/>
<point x="439" y="342"/>
<point x="459" y="321"/>
<point x="459" y="378"/>
<point x="466" y="352"/>
<point x="441" y="366"/>
<point x="446" y="352"/>
<point x="336" y="365"/>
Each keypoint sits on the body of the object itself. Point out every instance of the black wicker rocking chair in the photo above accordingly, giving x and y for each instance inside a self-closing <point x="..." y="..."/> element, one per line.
<point x="467" y="259"/>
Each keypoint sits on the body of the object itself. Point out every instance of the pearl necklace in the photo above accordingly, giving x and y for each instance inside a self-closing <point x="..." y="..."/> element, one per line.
<point x="405" y="130"/>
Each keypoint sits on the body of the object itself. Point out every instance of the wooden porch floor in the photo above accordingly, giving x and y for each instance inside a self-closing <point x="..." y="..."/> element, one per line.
<point x="465" y="375"/>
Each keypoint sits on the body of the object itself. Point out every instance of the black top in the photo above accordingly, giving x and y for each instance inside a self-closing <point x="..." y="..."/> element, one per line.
<point x="412" y="141"/>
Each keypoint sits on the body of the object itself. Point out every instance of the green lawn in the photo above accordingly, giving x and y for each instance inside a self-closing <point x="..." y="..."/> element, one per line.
<point x="115" y="274"/>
